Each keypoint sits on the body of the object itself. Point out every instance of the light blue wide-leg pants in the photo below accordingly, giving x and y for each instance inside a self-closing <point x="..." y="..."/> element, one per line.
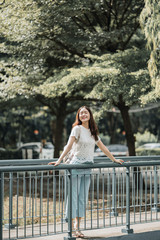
<point x="80" y="189"/>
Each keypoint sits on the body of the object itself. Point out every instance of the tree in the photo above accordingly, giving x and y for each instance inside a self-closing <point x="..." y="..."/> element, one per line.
<point x="150" y="21"/>
<point x="47" y="35"/>
<point x="117" y="79"/>
<point x="21" y="70"/>
<point x="59" y="47"/>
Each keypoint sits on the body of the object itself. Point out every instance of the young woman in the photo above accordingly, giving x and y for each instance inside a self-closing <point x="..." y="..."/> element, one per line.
<point x="84" y="136"/>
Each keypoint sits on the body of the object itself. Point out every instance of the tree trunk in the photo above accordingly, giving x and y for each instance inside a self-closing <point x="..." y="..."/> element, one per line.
<point x="127" y="127"/>
<point x="59" y="134"/>
<point x="58" y="128"/>
<point x="130" y="139"/>
<point x="112" y="127"/>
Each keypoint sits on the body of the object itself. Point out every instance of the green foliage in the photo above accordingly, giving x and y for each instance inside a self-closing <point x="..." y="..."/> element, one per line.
<point x="72" y="55"/>
<point x="108" y="77"/>
<point x="9" y="154"/>
<point x="151" y="152"/>
<point x="18" y="125"/>
<point x="146" y="137"/>
<point x="128" y="77"/>
<point x="105" y="139"/>
<point x="150" y="21"/>
<point x="64" y="51"/>
<point x="147" y="120"/>
<point x="83" y="27"/>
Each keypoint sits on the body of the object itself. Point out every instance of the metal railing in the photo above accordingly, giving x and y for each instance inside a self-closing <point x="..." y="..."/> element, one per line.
<point x="33" y="199"/>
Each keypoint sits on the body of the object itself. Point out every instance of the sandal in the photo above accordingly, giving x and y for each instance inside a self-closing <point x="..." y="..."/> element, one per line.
<point x="77" y="233"/>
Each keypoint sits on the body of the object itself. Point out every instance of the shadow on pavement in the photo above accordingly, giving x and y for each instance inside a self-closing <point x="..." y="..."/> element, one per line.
<point x="152" y="235"/>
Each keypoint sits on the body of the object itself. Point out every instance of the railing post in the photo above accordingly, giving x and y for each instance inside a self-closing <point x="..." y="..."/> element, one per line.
<point x="10" y="225"/>
<point x="69" y="207"/>
<point x="155" y="208"/>
<point x="65" y="190"/>
<point x="1" y="205"/>
<point x="114" y="212"/>
<point x="127" y="230"/>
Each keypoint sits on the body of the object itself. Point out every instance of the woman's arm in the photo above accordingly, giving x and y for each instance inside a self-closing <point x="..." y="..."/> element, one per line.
<point x="107" y="152"/>
<point x="65" y="151"/>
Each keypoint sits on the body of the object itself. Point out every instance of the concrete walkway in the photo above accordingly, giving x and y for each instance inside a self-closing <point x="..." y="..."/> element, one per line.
<point x="145" y="231"/>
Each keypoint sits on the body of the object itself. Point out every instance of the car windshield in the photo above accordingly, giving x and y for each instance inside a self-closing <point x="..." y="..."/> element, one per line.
<point x="48" y="146"/>
<point x="30" y="147"/>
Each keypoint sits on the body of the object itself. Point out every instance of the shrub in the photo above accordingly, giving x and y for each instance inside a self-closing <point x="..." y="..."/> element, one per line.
<point x="145" y="137"/>
<point x="146" y="152"/>
<point x="9" y="154"/>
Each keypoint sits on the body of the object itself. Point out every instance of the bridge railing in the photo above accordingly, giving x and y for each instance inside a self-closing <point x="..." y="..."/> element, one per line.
<point x="33" y="196"/>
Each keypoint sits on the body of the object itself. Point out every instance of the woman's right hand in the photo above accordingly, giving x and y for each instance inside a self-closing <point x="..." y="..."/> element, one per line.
<point x="55" y="163"/>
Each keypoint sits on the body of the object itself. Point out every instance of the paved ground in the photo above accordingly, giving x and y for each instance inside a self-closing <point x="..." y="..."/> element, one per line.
<point x="145" y="231"/>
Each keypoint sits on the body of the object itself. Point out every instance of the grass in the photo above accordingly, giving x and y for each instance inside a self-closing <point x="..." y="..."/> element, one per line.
<point x="29" y="210"/>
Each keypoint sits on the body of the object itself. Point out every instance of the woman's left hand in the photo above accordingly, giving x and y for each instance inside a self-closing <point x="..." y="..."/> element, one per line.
<point x="120" y="161"/>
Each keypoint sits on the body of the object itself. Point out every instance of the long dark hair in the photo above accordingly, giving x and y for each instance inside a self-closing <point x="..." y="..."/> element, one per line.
<point x="92" y="124"/>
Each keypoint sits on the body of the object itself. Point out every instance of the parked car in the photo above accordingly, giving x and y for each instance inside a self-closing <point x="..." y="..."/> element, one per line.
<point x="2" y="153"/>
<point x="116" y="149"/>
<point x="36" y="150"/>
<point x="148" y="149"/>
<point x="48" y="151"/>
<point x="2" y="149"/>
<point x="98" y="153"/>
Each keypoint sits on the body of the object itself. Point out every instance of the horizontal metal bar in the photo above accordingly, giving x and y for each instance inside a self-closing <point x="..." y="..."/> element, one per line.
<point x="130" y="158"/>
<point x="25" y="162"/>
<point x="96" y="160"/>
<point x="79" y="166"/>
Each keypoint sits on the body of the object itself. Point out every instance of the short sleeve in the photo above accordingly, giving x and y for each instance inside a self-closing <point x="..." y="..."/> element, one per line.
<point x="75" y="132"/>
<point x="98" y="140"/>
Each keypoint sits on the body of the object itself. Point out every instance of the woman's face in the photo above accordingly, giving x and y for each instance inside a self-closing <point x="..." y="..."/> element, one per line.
<point x="84" y="115"/>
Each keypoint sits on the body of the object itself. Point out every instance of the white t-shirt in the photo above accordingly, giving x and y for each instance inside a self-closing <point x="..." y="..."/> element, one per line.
<point x="84" y="148"/>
